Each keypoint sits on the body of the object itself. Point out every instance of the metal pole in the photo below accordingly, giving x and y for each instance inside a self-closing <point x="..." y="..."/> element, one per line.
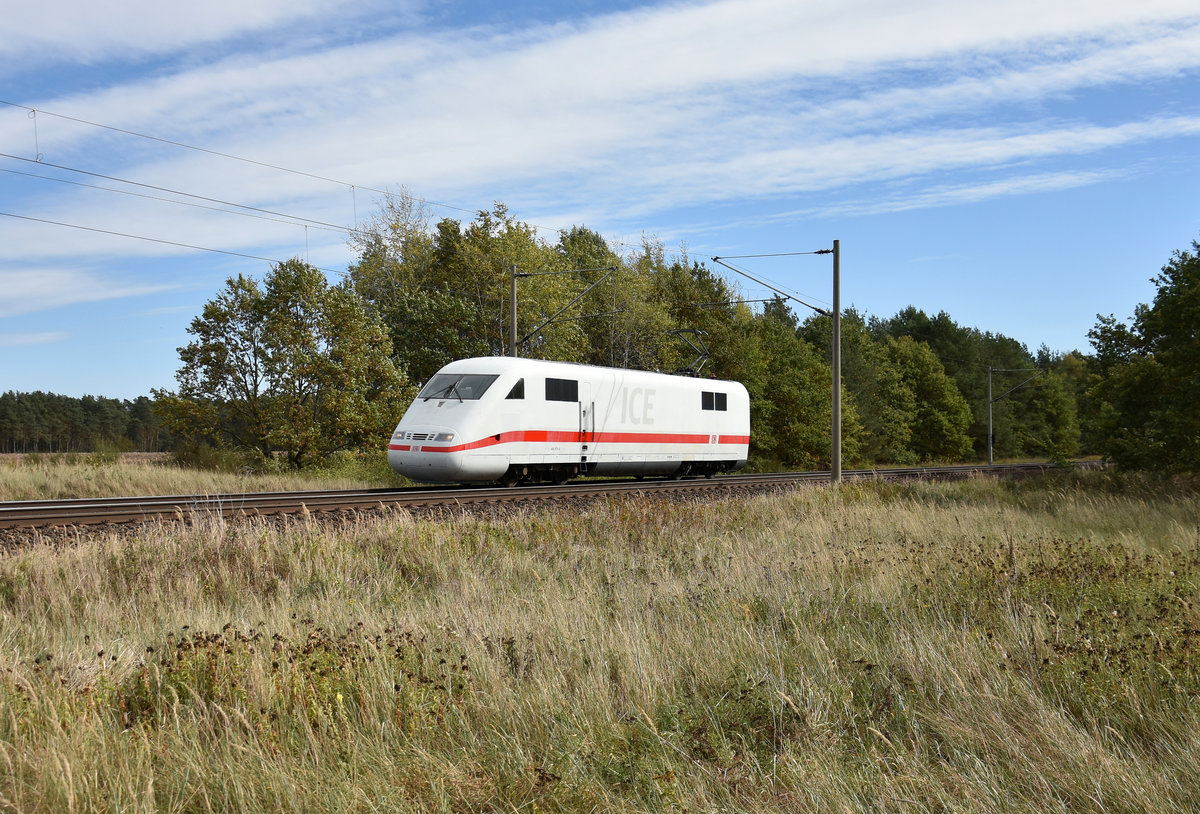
<point x="837" y="362"/>
<point x="989" y="416"/>
<point x="512" y="312"/>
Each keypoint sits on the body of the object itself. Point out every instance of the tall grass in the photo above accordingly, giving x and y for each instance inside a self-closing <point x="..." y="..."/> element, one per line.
<point x="61" y="476"/>
<point x="953" y="647"/>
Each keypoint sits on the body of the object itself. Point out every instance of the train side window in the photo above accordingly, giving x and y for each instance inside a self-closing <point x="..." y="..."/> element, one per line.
<point x="518" y="390"/>
<point x="706" y="400"/>
<point x="562" y="390"/>
<point x="722" y="401"/>
<point x="714" y="401"/>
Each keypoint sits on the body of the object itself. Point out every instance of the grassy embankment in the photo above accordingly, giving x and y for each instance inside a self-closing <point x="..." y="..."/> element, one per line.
<point x="59" y="476"/>
<point x="950" y="647"/>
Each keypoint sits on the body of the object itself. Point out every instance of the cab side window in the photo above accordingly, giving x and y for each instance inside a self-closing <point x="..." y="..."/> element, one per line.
<point x="518" y="390"/>
<point x="562" y="390"/>
<point x="714" y="401"/>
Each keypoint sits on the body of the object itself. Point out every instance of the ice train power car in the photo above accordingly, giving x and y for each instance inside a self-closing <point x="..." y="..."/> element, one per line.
<point x="515" y="420"/>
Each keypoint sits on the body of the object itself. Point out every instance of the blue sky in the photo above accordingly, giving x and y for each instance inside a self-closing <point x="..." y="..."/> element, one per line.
<point x="1021" y="165"/>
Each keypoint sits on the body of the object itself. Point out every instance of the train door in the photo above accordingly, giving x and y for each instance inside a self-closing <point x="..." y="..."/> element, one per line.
<point x="587" y="425"/>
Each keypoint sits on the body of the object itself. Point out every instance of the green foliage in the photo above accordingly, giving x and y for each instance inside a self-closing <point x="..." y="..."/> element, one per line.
<point x="293" y="365"/>
<point x="698" y="299"/>
<point x="625" y="324"/>
<point x="430" y="329"/>
<point x="1025" y="422"/>
<point x="874" y="386"/>
<point x="791" y="404"/>
<point x="1050" y="427"/>
<point x="47" y="422"/>
<point x="1149" y="392"/>
<point x="1079" y="374"/>
<point x="444" y="292"/>
<point x="939" y="430"/>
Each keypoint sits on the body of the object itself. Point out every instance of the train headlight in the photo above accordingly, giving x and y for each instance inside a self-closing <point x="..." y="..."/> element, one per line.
<point x="444" y="436"/>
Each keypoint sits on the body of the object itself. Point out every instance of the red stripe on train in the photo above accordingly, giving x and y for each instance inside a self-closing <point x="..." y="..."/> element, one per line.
<point x="552" y="436"/>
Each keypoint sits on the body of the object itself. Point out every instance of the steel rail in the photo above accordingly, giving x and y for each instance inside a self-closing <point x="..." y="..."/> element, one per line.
<point x="29" y="514"/>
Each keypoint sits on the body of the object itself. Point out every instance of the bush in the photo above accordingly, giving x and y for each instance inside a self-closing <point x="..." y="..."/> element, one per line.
<point x="217" y="459"/>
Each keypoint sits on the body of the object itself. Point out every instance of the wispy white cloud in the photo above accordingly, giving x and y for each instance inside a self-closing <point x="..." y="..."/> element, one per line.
<point x="610" y="118"/>
<point x="927" y="197"/>
<point x="82" y="31"/>
<point x="42" y="338"/>
<point x="650" y="119"/>
<point x="37" y="289"/>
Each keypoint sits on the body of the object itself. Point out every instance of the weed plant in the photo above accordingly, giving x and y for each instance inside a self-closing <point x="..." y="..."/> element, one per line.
<point x="962" y="647"/>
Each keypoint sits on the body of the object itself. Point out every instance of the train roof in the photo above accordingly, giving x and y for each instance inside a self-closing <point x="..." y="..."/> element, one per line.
<point x="511" y="364"/>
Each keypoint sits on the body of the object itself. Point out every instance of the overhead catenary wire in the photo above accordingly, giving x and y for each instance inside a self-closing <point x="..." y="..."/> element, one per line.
<point x="287" y="220"/>
<point x="157" y="240"/>
<point x="352" y="187"/>
<point x="183" y="145"/>
<point x="788" y="294"/>
<point x="250" y="211"/>
<point x="297" y="219"/>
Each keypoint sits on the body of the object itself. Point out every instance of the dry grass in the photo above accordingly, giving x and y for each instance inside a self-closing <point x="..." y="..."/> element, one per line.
<point x="60" y="476"/>
<point x="956" y="647"/>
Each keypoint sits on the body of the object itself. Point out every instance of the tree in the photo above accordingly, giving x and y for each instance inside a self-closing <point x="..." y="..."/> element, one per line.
<point x="145" y="429"/>
<point x="625" y="323"/>
<point x="293" y="365"/>
<point x="696" y="299"/>
<point x="475" y="262"/>
<point x="966" y="354"/>
<point x="885" y="405"/>
<point x="1149" y="393"/>
<point x="428" y="325"/>
<point x="450" y="286"/>
<point x="791" y="403"/>
<point x="940" y="431"/>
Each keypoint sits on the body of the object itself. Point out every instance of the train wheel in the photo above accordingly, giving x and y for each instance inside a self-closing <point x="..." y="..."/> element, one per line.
<point x="510" y="479"/>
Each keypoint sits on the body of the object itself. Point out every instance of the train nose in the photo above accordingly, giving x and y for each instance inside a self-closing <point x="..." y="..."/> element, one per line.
<point x="424" y="453"/>
<point x="443" y="455"/>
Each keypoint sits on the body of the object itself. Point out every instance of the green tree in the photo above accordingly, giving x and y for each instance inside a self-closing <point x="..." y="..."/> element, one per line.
<point x="429" y="325"/>
<point x="145" y="430"/>
<point x="966" y="355"/>
<point x="223" y="383"/>
<point x="450" y="286"/>
<point x="625" y="323"/>
<point x="1079" y="374"/>
<point x="872" y="382"/>
<point x="696" y="299"/>
<point x="791" y="402"/>
<point x="476" y="262"/>
<point x="1149" y="393"/>
<point x="940" y="431"/>
<point x="293" y="365"/>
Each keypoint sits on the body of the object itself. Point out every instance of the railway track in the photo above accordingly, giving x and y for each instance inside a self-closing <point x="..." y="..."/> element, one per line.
<point x="34" y="514"/>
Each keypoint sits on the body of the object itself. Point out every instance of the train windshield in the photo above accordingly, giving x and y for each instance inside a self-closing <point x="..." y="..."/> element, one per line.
<point x="461" y="386"/>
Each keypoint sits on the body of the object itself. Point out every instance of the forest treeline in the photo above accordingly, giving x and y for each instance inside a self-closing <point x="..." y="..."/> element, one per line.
<point x="298" y="366"/>
<point x="47" y="422"/>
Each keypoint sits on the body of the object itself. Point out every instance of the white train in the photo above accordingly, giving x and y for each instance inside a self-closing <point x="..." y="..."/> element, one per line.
<point x="523" y="420"/>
